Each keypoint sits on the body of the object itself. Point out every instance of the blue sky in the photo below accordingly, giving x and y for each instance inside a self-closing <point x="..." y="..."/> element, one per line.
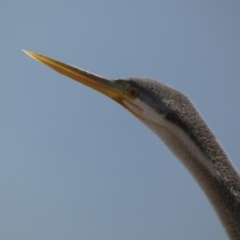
<point x="74" y="165"/>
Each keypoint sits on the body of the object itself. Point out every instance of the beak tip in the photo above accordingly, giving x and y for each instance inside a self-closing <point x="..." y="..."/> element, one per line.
<point x="27" y="52"/>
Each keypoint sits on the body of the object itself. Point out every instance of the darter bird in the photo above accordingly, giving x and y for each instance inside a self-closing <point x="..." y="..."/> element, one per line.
<point x="171" y="115"/>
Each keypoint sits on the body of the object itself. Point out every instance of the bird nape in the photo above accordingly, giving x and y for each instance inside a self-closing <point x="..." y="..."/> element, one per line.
<point x="176" y="121"/>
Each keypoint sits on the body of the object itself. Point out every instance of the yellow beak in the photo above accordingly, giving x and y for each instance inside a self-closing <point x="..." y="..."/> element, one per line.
<point x="108" y="87"/>
<point x="116" y="90"/>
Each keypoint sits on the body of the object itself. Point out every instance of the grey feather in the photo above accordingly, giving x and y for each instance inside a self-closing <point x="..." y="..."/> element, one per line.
<point x="223" y="187"/>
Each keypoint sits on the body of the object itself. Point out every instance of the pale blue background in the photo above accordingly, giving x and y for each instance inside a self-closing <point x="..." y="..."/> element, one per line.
<point x="75" y="165"/>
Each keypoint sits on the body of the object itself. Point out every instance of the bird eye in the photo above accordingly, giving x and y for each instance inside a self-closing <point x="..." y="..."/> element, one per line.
<point x="133" y="92"/>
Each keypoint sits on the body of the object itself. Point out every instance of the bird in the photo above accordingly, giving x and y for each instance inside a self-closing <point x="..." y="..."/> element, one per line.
<point x="177" y="122"/>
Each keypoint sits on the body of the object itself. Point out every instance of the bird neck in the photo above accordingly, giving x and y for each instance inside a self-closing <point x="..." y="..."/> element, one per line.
<point x="211" y="168"/>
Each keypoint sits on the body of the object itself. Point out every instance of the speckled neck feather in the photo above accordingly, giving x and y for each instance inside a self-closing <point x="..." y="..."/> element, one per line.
<point x="206" y="160"/>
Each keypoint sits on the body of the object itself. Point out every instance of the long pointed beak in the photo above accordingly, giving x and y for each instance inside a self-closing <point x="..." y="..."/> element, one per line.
<point x="108" y="87"/>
